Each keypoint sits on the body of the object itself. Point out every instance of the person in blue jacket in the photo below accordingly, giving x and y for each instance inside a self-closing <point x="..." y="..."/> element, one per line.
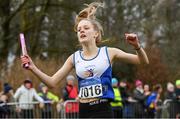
<point x="153" y="99"/>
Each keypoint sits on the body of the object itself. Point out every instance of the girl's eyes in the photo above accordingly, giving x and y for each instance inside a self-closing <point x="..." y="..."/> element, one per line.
<point x="86" y="28"/>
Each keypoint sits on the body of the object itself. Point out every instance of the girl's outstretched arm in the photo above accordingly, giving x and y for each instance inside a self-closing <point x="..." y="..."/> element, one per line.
<point x="139" y="58"/>
<point x="50" y="81"/>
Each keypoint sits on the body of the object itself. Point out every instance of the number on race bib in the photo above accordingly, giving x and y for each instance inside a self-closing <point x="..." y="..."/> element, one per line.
<point x="91" y="91"/>
<point x="86" y="92"/>
<point x="98" y="89"/>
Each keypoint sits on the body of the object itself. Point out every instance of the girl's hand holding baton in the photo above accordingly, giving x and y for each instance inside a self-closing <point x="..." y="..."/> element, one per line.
<point x="25" y="59"/>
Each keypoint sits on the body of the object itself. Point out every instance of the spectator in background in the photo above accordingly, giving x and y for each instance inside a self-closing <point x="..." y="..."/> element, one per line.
<point x="117" y="103"/>
<point x="147" y="93"/>
<point x="170" y="94"/>
<point x="25" y="94"/>
<point x="70" y="92"/>
<point x="153" y="99"/>
<point x="47" y="96"/>
<point x="8" y="91"/>
<point x="171" y="97"/>
<point x="138" y="95"/>
<point x="123" y="89"/>
<point x="126" y="99"/>
<point x="177" y="91"/>
<point x="4" y="108"/>
<point x="178" y="116"/>
<point x="7" y="88"/>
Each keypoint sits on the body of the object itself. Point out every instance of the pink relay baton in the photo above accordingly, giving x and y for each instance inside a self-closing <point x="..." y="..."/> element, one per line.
<point x="23" y="47"/>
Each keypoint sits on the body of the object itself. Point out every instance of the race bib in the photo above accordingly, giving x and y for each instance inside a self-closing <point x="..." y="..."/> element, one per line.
<point x="90" y="88"/>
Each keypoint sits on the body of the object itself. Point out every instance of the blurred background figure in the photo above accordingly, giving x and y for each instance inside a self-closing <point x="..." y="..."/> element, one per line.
<point x="171" y="96"/>
<point x="8" y="88"/>
<point x="25" y="94"/>
<point x="47" y="96"/>
<point x="9" y="92"/>
<point x="147" y="93"/>
<point x="123" y="89"/>
<point x="153" y="100"/>
<point x="70" y="92"/>
<point x="177" y="91"/>
<point x="126" y="99"/>
<point x="138" y="95"/>
<point x="4" y="108"/>
<point x="170" y="92"/>
<point x="117" y="105"/>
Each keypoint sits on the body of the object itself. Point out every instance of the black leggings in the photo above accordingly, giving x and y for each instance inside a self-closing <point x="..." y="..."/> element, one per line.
<point x="98" y="110"/>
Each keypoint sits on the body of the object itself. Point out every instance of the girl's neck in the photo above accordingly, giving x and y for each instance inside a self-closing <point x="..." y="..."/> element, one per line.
<point x="89" y="50"/>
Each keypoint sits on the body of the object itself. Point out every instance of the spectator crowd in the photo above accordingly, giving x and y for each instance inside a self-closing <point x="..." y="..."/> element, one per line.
<point x="144" y="101"/>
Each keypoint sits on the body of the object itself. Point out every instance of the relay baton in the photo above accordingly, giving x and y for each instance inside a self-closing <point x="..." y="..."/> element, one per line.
<point x="23" y="47"/>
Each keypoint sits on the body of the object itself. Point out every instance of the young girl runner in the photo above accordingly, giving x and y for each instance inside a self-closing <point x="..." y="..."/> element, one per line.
<point x="93" y="65"/>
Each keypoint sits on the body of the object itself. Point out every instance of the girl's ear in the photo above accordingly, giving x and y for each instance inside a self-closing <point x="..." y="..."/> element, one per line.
<point x="96" y="34"/>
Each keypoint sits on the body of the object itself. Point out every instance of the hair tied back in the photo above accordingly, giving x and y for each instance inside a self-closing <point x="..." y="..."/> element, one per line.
<point x="88" y="12"/>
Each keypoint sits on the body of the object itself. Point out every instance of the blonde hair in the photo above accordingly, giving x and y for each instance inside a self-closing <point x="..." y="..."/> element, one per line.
<point x="88" y="14"/>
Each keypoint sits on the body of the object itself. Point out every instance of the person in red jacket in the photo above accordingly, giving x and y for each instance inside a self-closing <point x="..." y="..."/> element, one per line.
<point x="70" y="92"/>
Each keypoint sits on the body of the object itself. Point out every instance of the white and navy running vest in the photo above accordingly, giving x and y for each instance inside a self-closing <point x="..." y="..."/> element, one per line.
<point x="94" y="75"/>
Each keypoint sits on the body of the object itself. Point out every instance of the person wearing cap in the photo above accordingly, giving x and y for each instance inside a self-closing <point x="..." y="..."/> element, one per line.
<point x="117" y="102"/>
<point x="25" y="94"/>
<point x="4" y="108"/>
<point x="47" y="96"/>
<point x="138" y="95"/>
<point x="7" y="90"/>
